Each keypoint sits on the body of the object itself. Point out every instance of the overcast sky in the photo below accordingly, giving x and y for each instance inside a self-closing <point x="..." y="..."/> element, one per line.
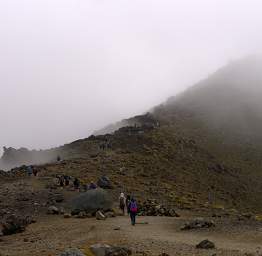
<point x="69" y="67"/>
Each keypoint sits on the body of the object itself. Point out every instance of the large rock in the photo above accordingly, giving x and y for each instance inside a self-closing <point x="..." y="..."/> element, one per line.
<point x="206" y="244"/>
<point x="53" y="210"/>
<point x="104" y="182"/>
<point x="198" y="223"/>
<point x="99" y="249"/>
<point x="14" y="224"/>
<point x="107" y="250"/>
<point x="91" y="202"/>
<point x="118" y="251"/>
<point x="72" y="252"/>
<point x="100" y="215"/>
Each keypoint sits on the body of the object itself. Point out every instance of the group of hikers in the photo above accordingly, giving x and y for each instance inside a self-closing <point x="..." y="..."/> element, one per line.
<point x="128" y="204"/>
<point x="31" y="170"/>
<point x="64" y="181"/>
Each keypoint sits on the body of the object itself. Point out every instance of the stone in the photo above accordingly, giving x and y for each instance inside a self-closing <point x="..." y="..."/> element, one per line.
<point x="67" y="215"/>
<point x="100" y="215"/>
<point x="99" y="249"/>
<point x="110" y="214"/>
<point x="205" y="244"/>
<point x="72" y="252"/>
<point x="91" y="202"/>
<point x="104" y="182"/>
<point x="13" y="224"/>
<point x="53" y="210"/>
<point x="118" y="251"/>
<point x="198" y="224"/>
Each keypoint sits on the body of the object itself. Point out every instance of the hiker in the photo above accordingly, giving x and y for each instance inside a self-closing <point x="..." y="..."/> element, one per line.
<point x="122" y="202"/>
<point x="35" y="171"/>
<point x="128" y="199"/>
<point x="58" y="159"/>
<point x="133" y="211"/>
<point x="76" y="184"/>
<point x="92" y="185"/>
<point x="67" y="180"/>
<point x="29" y="170"/>
<point x="61" y="181"/>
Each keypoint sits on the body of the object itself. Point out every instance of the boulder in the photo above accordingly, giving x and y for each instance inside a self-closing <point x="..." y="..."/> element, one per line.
<point x="206" y="244"/>
<point x="99" y="249"/>
<point x="53" y="210"/>
<point x="13" y="224"/>
<point x="106" y="250"/>
<point x="72" y="252"/>
<point x="91" y="202"/>
<point x="100" y="215"/>
<point x="67" y="215"/>
<point x="118" y="251"/>
<point x="104" y="182"/>
<point x="198" y="224"/>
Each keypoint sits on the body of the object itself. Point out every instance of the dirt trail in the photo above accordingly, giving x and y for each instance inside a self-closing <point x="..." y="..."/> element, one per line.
<point x="51" y="235"/>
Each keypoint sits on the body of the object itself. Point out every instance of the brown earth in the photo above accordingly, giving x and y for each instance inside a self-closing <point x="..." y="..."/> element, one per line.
<point x="50" y="235"/>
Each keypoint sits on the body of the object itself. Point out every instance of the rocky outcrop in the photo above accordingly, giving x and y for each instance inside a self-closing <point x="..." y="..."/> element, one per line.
<point x="206" y="244"/>
<point x="153" y="208"/>
<point x="198" y="224"/>
<point x="13" y="224"/>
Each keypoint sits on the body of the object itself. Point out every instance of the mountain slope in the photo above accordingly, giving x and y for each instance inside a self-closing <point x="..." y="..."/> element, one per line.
<point x="202" y="144"/>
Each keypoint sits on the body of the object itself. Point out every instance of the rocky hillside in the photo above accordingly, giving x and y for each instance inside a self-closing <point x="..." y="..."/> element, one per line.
<point x="203" y="145"/>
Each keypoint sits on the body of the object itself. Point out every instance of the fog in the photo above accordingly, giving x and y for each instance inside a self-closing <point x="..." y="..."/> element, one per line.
<point x="69" y="67"/>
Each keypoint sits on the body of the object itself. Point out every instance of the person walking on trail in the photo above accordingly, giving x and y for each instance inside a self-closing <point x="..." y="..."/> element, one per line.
<point x="133" y="211"/>
<point x="122" y="203"/>
<point x="29" y="170"/>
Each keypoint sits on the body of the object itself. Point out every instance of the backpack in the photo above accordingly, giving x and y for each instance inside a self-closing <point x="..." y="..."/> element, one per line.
<point x="133" y="207"/>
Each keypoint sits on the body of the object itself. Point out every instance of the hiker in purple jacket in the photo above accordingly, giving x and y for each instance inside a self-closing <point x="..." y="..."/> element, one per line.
<point x="133" y="211"/>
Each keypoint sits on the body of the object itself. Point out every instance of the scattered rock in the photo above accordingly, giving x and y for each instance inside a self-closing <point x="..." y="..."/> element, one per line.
<point x="104" y="182"/>
<point x="118" y="251"/>
<point x="152" y="208"/>
<point x="197" y="224"/>
<point x="99" y="249"/>
<point x="110" y="214"/>
<point x="100" y="215"/>
<point x="206" y="244"/>
<point x="53" y="210"/>
<point x="14" y="224"/>
<point x="67" y="215"/>
<point x="117" y="228"/>
<point x="72" y="252"/>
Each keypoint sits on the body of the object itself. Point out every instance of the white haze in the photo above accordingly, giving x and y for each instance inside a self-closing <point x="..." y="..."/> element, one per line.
<point x="69" y="67"/>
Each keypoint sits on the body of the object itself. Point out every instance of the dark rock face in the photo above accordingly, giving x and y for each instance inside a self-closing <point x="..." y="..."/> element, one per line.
<point x="206" y="244"/>
<point x="152" y="208"/>
<point x="13" y="224"/>
<point x="197" y="224"/>
<point x="91" y="202"/>
<point x="105" y="183"/>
